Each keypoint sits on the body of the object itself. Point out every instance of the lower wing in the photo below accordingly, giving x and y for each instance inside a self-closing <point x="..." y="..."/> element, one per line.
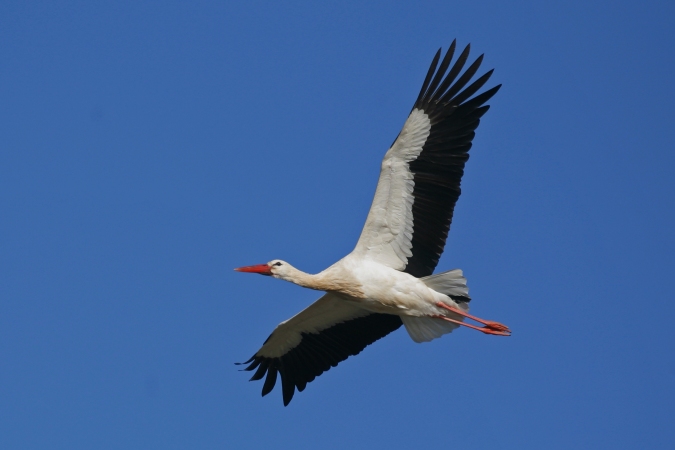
<point x="303" y="347"/>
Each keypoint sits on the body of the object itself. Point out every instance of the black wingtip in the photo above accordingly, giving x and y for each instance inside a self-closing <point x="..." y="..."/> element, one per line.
<point x="270" y="380"/>
<point x="430" y="73"/>
<point x="287" y="398"/>
<point x="245" y="362"/>
<point x="440" y="71"/>
<point x="261" y="371"/>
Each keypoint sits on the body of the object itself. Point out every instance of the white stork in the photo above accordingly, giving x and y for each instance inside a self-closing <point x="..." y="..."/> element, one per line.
<point x="387" y="281"/>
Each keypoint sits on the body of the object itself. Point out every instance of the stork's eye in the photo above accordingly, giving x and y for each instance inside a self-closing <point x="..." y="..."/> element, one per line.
<point x="277" y="264"/>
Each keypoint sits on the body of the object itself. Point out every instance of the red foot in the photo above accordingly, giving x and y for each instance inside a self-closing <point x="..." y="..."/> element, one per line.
<point x="495" y="326"/>
<point x="487" y="330"/>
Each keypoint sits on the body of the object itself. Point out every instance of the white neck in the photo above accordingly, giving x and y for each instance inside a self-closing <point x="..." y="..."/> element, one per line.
<point x="300" y="278"/>
<point x="333" y="279"/>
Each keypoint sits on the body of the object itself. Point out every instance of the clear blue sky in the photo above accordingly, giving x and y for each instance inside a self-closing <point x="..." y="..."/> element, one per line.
<point x="147" y="148"/>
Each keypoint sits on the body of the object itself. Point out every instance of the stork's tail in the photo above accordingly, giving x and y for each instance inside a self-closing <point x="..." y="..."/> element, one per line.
<point x="451" y="283"/>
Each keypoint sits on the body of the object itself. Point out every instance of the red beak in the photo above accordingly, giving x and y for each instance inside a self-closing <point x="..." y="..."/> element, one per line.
<point x="262" y="269"/>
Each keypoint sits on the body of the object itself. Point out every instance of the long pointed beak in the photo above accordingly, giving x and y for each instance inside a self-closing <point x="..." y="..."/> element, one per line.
<point x="262" y="269"/>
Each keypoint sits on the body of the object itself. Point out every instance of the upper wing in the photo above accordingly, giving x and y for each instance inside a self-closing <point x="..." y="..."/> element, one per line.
<point x="303" y="347"/>
<point x="420" y="177"/>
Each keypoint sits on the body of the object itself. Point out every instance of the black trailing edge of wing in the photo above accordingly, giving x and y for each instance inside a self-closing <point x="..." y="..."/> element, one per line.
<point x="438" y="170"/>
<point x="318" y="352"/>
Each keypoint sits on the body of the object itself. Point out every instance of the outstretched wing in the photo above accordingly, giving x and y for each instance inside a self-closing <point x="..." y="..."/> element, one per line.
<point x="303" y="347"/>
<point x="419" y="184"/>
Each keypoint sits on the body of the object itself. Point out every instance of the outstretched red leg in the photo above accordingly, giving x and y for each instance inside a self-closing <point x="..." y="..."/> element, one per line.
<point x="489" y="328"/>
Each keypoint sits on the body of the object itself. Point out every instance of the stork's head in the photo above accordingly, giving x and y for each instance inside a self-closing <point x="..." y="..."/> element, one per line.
<point x="275" y="268"/>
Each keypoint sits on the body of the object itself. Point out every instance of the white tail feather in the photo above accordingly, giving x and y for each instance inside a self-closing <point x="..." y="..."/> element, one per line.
<point x="451" y="283"/>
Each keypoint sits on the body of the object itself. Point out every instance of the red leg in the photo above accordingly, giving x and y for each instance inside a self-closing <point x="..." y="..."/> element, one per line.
<point x="485" y="329"/>
<point x="495" y="326"/>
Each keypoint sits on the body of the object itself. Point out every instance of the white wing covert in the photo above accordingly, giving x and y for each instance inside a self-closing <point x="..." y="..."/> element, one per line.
<point x="387" y="234"/>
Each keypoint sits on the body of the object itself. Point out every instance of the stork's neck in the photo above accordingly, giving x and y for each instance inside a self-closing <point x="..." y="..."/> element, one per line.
<point x="303" y="279"/>
<point x="332" y="279"/>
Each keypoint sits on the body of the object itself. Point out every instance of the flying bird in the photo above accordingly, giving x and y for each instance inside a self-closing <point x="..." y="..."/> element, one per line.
<point x="387" y="280"/>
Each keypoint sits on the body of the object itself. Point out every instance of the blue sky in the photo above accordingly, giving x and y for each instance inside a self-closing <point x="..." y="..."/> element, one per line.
<point x="147" y="148"/>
